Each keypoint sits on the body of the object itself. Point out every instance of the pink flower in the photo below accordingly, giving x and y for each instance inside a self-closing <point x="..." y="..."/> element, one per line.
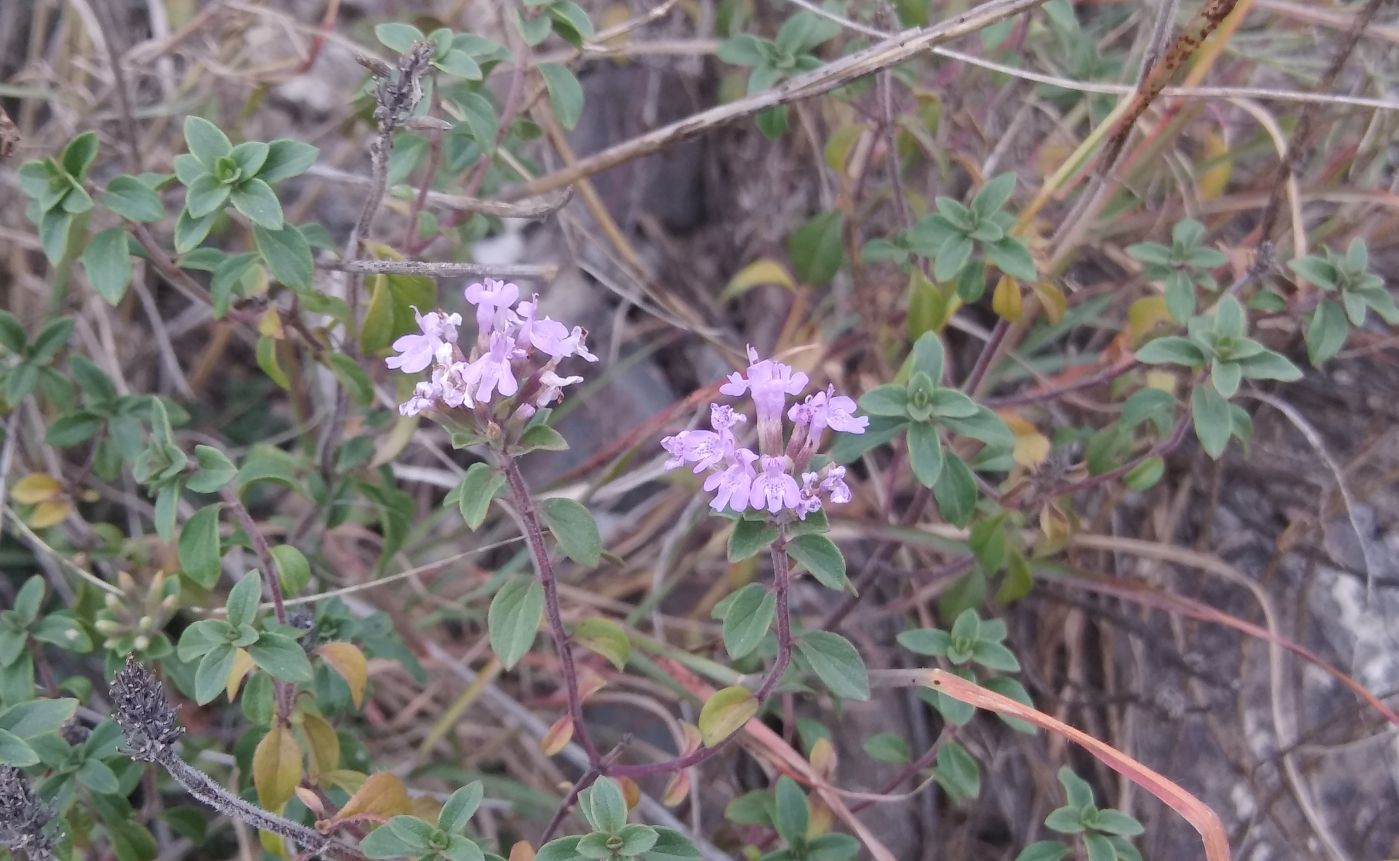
<point x="722" y="417"/>
<point x="774" y="489"/>
<point x="552" y="387"/>
<point x="834" y="486"/>
<point x="417" y="351"/>
<point x="828" y="410"/>
<point x="768" y="382"/>
<point x="492" y="371"/>
<point x="555" y="339"/>
<point x="731" y="486"/>
<point x="490" y="298"/>
<point x="452" y="383"/>
<point x="424" y="394"/>
<point x="701" y="447"/>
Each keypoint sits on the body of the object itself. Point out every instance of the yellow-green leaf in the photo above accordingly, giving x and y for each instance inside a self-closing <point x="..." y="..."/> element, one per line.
<point x="765" y="271"/>
<point x="242" y="665"/>
<point x="606" y="638"/>
<point x="380" y="796"/>
<point x="35" y="488"/>
<point x="724" y="712"/>
<point x="276" y="767"/>
<point x="347" y="660"/>
<point x="322" y="746"/>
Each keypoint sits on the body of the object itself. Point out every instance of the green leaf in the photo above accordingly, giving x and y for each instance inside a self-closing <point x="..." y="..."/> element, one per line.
<point x="215" y="470"/>
<point x="79" y="154"/>
<point x="539" y="437"/>
<point x="925" y="453"/>
<point x="607" y="806"/>
<point x="73" y="429"/>
<point x="747" y="619"/>
<point x="190" y="231"/>
<point x="281" y="657"/>
<point x="1225" y="376"/>
<point x="955" y="491"/>
<point x="1044" y="850"/>
<point x="293" y="571"/>
<point x="353" y="377"/>
<point x="1146" y="474"/>
<point x="925" y="641"/>
<point x="985" y="426"/>
<point x="575" y="530"/>
<point x="1327" y="332"/>
<point x="927" y="356"/>
<point x="1010" y="255"/>
<point x="256" y="199"/>
<point x="606" y="638"/>
<point x="205" y="196"/>
<point x="285" y="159"/>
<point x="1210" y="412"/>
<point x="460" y="807"/>
<point x="390" y="312"/>
<point x="1099" y="848"/>
<point x="749" y="537"/>
<point x="957" y="772"/>
<point x="951" y="257"/>
<point x="837" y="663"/>
<point x="398" y="37"/>
<point x="267" y="360"/>
<point x="792" y="815"/>
<point x="562" y="849"/>
<point x="743" y="50"/>
<point x="886" y="400"/>
<point x="726" y="710"/>
<point x="132" y="199"/>
<point x="206" y="141"/>
<point x="460" y="64"/>
<point x="199" y="550"/>
<point x="14" y="751"/>
<point x="243" y="598"/>
<point x="250" y="156"/>
<point x="29" y="720"/>
<point x="995" y="656"/>
<point x="513" y="618"/>
<point x="383" y="843"/>
<point x="565" y="93"/>
<point x="671" y="845"/>
<point x="1172" y="350"/>
<point x="478" y="487"/>
<point x="1116" y="822"/>
<point x="107" y="262"/>
<point x="888" y="747"/>
<point x="53" y="234"/>
<point x="211" y="675"/>
<point x="637" y="839"/>
<point x="1076" y="789"/>
<point x="993" y="195"/>
<point x="819" y="555"/>
<point x="287" y="254"/>
<point x="816" y="249"/>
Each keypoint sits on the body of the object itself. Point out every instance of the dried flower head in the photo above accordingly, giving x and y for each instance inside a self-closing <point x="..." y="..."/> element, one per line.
<point x="24" y="819"/>
<point x="143" y="711"/>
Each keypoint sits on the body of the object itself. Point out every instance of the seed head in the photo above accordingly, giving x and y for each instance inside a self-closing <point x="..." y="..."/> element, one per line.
<point x="24" y="819"/>
<point x="143" y="711"/>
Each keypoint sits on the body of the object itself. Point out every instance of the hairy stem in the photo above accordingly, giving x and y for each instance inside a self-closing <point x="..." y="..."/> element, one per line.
<point x="273" y="579"/>
<point x="544" y="569"/>
<point x="211" y="794"/>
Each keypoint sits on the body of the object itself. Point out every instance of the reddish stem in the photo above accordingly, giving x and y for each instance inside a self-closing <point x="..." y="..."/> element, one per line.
<point x="544" y="568"/>
<point x="781" y="581"/>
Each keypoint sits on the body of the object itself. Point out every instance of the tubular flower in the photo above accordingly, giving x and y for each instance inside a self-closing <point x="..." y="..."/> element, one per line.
<point x="767" y="480"/>
<point x="515" y="353"/>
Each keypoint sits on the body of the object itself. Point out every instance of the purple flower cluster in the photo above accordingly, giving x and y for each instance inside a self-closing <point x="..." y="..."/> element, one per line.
<point x="516" y="353"/>
<point x="767" y="480"/>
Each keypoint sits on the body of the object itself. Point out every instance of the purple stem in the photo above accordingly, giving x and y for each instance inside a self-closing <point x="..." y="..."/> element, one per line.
<point x="544" y="567"/>
<point x="781" y="580"/>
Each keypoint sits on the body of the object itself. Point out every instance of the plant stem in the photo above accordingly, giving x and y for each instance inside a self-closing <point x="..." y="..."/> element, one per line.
<point x="272" y="577"/>
<point x="781" y="582"/>
<point x="544" y="568"/>
<point x="213" y="795"/>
